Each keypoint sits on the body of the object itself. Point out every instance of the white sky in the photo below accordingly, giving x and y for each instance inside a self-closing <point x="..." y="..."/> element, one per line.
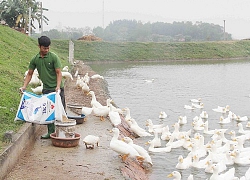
<point x="82" y="13"/>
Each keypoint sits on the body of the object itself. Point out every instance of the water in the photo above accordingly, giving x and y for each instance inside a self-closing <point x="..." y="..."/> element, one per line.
<point x="218" y="83"/>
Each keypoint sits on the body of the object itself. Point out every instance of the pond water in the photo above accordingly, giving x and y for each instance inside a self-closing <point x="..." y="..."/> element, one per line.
<point x="217" y="83"/>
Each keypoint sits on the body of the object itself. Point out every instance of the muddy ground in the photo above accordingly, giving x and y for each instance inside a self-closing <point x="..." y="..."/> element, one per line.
<point x="45" y="161"/>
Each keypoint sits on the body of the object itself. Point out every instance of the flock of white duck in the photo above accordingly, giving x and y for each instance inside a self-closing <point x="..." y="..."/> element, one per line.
<point x="214" y="157"/>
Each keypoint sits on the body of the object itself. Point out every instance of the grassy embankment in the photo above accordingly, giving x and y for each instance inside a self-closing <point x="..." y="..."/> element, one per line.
<point x="17" y="49"/>
<point x="95" y="51"/>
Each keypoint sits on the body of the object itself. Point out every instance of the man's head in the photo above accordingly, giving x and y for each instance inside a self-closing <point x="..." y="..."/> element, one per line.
<point x="44" y="41"/>
<point x="44" y="45"/>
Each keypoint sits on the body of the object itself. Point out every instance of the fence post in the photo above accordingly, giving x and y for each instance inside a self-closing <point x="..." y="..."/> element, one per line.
<point x="71" y="52"/>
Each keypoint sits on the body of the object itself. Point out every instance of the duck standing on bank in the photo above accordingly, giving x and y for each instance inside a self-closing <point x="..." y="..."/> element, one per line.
<point x="90" y="141"/>
<point x="122" y="148"/>
<point x="140" y="150"/>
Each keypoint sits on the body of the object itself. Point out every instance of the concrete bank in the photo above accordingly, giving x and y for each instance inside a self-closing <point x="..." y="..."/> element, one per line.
<point x="24" y="138"/>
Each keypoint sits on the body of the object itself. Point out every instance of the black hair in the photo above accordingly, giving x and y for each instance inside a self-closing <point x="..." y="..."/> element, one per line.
<point x="44" y="41"/>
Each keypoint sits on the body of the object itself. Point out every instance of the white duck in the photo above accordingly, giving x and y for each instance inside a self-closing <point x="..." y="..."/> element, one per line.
<point x="190" y="107"/>
<point x="95" y="76"/>
<point x="240" y="145"/>
<point x="85" y="88"/>
<point x="233" y="135"/>
<point x="220" y="109"/>
<point x="224" y="120"/>
<point x="198" y="120"/>
<point x="232" y="115"/>
<point x="228" y="175"/>
<point x="241" y="130"/>
<point x="187" y="143"/>
<point x="148" y="80"/>
<point x="35" y="80"/>
<point x="126" y="111"/>
<point x="176" y="133"/>
<point x="204" y="115"/>
<point x="67" y="75"/>
<point x="206" y="131"/>
<point x="175" y="144"/>
<point x="115" y="108"/>
<point x="78" y="81"/>
<point x="196" y="100"/>
<point x="182" y="164"/>
<point x="182" y="120"/>
<point x="165" y="134"/>
<point x="220" y="135"/>
<point x="227" y="158"/>
<point x="200" y="147"/>
<point x="114" y="116"/>
<point x="248" y="125"/>
<point x="198" y="106"/>
<point x="76" y="73"/>
<point x="176" y="175"/>
<point x="245" y="160"/>
<point x="209" y="164"/>
<point x="197" y="126"/>
<point x="153" y="127"/>
<point x="196" y="163"/>
<point x="86" y="111"/>
<point x="65" y="68"/>
<point x="135" y="128"/>
<point x="122" y="148"/>
<point x="156" y="140"/>
<point x="101" y="112"/>
<point x="86" y="78"/>
<point x="152" y="148"/>
<point x="90" y="141"/>
<point x="94" y="102"/>
<point x="241" y="118"/>
<point x="163" y="115"/>
<point x="140" y="150"/>
<point x="38" y="89"/>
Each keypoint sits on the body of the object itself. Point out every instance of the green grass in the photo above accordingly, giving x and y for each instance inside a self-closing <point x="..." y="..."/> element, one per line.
<point x="138" y="51"/>
<point x="17" y="49"/>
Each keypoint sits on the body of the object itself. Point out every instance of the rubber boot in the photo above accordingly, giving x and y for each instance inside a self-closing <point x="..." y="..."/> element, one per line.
<point x="51" y="129"/>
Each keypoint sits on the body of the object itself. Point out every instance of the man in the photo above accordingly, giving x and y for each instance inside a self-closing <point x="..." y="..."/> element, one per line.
<point x="49" y="68"/>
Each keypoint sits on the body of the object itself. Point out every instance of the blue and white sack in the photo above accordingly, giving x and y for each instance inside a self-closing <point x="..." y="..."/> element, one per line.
<point x="41" y="109"/>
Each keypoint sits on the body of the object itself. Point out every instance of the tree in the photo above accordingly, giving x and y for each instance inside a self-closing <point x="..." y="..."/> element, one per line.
<point x="16" y="13"/>
<point x="131" y="30"/>
<point x="9" y="11"/>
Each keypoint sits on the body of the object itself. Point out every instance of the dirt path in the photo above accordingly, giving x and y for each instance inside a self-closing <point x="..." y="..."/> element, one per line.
<point x="45" y="161"/>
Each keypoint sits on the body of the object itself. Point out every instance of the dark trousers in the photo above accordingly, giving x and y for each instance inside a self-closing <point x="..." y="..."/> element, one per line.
<point x="46" y="91"/>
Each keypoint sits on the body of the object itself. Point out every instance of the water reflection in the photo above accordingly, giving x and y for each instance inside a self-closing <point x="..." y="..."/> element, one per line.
<point x="218" y="83"/>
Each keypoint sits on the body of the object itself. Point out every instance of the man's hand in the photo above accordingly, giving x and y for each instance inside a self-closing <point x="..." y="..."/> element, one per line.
<point x="57" y="89"/>
<point x="22" y="89"/>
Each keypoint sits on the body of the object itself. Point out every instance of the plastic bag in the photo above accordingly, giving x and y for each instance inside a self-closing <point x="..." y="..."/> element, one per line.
<point x="41" y="109"/>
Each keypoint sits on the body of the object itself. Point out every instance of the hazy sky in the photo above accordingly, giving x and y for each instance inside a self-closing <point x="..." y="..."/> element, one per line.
<point x="82" y="13"/>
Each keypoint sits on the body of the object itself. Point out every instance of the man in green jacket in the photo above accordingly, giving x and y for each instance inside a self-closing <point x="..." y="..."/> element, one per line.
<point x="48" y="66"/>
